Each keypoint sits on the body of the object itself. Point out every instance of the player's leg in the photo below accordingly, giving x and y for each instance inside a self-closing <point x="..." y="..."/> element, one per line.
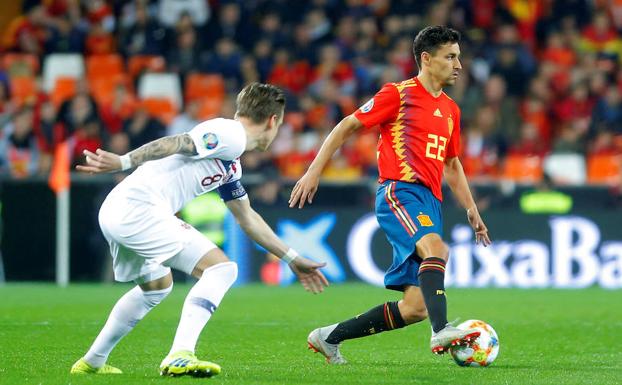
<point x="131" y="263"/>
<point x="215" y="273"/>
<point x="126" y="313"/>
<point x="384" y="317"/>
<point x="435" y="253"/>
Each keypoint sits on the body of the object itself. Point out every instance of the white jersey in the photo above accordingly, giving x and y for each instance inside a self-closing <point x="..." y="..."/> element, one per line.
<point x="177" y="179"/>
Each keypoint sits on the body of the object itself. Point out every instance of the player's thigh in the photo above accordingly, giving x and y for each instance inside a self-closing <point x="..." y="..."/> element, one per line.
<point x="412" y="306"/>
<point x="197" y="254"/>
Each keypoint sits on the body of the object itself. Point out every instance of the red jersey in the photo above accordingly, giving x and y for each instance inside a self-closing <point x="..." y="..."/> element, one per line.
<point x="417" y="132"/>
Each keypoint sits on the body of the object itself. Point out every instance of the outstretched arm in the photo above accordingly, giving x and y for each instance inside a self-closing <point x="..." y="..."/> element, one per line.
<point x="254" y="226"/>
<point x="104" y="161"/>
<point x="305" y="188"/>
<point x="454" y="175"/>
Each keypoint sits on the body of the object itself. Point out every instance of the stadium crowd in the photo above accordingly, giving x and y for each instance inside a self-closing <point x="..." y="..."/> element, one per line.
<point x="540" y="88"/>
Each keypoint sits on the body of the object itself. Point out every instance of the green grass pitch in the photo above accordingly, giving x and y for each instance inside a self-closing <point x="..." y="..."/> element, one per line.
<point x="258" y="335"/>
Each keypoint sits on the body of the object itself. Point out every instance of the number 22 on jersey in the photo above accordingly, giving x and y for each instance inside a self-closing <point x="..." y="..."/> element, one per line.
<point x="435" y="148"/>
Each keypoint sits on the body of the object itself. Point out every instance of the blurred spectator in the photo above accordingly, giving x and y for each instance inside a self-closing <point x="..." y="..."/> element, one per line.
<point x="142" y="128"/>
<point x="118" y="109"/>
<point x="47" y="129"/>
<point x="608" y="111"/>
<point x="186" y="120"/>
<point x="99" y="41"/>
<point x="19" y="153"/>
<point x="481" y="148"/>
<point x="228" y="24"/>
<point x="28" y="32"/>
<point x="226" y="60"/>
<point x="185" y="56"/>
<point x="529" y="142"/>
<point x="170" y="11"/>
<point x="75" y="111"/>
<point x="601" y="36"/>
<point x="145" y="36"/>
<point x="262" y="52"/>
<point x="291" y="76"/>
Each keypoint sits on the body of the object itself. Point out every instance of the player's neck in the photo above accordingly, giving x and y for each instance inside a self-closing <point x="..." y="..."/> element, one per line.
<point x="253" y="132"/>
<point x="433" y="87"/>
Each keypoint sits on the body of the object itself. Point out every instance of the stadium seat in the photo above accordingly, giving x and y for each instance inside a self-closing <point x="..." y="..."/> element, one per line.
<point x="161" y="108"/>
<point x="142" y="63"/>
<point x="23" y="88"/>
<point x="64" y="88"/>
<point x="523" y="168"/>
<point x="102" y="66"/>
<point x="61" y="65"/>
<point x="565" y="168"/>
<point x="604" y="169"/>
<point x="20" y="64"/>
<point x="162" y="85"/>
<point x="103" y="88"/>
<point x="210" y="108"/>
<point x="204" y="85"/>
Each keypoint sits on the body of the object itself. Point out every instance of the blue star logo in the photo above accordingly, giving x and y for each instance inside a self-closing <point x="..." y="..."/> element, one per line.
<point x="310" y="241"/>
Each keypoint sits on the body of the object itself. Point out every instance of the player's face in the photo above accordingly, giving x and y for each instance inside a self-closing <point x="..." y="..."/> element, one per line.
<point x="270" y="133"/>
<point x="445" y="64"/>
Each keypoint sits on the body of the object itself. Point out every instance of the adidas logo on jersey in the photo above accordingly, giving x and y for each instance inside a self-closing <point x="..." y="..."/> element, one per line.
<point x="438" y="113"/>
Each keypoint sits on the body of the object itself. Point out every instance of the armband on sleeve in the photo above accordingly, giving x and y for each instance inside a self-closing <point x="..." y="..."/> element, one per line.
<point x="232" y="190"/>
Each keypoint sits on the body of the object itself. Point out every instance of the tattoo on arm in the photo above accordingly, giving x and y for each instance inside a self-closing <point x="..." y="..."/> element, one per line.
<point x="163" y="147"/>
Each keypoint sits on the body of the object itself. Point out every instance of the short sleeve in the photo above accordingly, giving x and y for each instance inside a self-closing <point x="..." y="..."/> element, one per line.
<point x="453" y="149"/>
<point x="383" y="107"/>
<point x="218" y="138"/>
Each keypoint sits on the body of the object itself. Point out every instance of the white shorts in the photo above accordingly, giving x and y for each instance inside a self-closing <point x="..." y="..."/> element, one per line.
<point x="146" y="241"/>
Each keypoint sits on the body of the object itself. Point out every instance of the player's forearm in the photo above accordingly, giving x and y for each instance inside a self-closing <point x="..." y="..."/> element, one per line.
<point x="337" y="137"/>
<point x="161" y="148"/>
<point x="258" y="230"/>
<point x="457" y="181"/>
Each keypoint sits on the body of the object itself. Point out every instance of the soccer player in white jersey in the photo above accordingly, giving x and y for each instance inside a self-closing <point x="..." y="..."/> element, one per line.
<point x="146" y="238"/>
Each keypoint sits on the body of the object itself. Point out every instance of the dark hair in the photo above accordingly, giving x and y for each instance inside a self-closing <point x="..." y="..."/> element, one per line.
<point x="432" y="38"/>
<point x="259" y="102"/>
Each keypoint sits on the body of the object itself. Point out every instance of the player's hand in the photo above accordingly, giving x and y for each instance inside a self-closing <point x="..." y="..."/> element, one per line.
<point x="481" y="231"/>
<point x="309" y="274"/>
<point x="304" y="190"/>
<point x="100" y="161"/>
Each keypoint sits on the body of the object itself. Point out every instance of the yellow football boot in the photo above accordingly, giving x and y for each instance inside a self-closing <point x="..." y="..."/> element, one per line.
<point x="185" y="362"/>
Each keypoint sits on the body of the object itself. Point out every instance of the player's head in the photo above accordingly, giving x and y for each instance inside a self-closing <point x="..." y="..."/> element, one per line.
<point x="262" y="104"/>
<point x="437" y="53"/>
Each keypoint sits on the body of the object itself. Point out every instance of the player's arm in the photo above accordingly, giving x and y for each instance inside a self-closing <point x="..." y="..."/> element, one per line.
<point x="306" y="187"/>
<point x="258" y="230"/>
<point x="104" y="161"/>
<point x="457" y="181"/>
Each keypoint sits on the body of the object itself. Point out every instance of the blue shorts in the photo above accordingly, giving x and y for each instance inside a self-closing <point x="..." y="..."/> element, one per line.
<point x="406" y="212"/>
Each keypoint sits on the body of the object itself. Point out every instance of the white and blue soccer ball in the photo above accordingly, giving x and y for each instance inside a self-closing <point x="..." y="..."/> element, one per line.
<point x="483" y="351"/>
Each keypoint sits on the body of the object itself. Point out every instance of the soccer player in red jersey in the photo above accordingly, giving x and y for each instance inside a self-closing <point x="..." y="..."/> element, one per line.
<point x="419" y="142"/>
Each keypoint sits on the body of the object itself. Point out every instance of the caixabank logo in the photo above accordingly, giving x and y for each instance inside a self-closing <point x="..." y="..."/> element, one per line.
<point x="571" y="253"/>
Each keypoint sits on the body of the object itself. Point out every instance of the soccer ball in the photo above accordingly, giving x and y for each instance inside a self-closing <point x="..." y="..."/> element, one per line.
<point x="483" y="350"/>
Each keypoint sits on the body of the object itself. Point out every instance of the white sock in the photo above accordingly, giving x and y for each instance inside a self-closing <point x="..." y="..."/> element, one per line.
<point x="125" y="314"/>
<point x="201" y="302"/>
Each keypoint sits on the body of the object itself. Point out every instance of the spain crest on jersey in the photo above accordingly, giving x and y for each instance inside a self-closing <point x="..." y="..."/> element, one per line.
<point x="424" y="220"/>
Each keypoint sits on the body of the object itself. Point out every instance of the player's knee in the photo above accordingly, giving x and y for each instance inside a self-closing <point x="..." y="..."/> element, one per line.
<point x="154" y="297"/>
<point x="225" y="271"/>
<point x="432" y="246"/>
